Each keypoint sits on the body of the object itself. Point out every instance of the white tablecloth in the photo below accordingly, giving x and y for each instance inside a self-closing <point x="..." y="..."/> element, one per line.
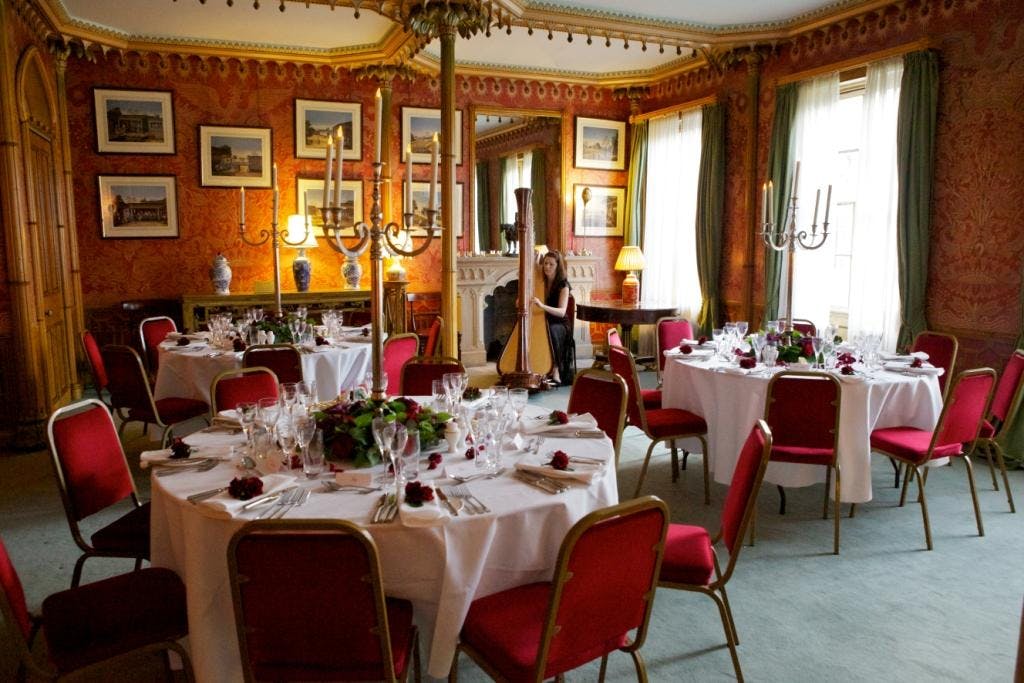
<point x="188" y="371"/>
<point x="732" y="403"/>
<point x="441" y="568"/>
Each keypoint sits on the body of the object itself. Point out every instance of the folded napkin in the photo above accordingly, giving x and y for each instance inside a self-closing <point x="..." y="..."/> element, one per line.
<point x="353" y="478"/>
<point x="214" y="438"/>
<point x="583" y="421"/>
<point x="356" y="338"/>
<point x="148" y="457"/>
<point x="849" y="379"/>
<point x="735" y="370"/>
<point x="425" y="515"/>
<point x="923" y="370"/>
<point x="582" y="472"/>
<point x="224" y="506"/>
<point x="696" y="351"/>
<point x="903" y="358"/>
<point x="461" y="468"/>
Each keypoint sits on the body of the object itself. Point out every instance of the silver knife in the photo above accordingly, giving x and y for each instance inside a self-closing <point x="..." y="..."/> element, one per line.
<point x="536" y="482"/>
<point x="266" y="499"/>
<point x="203" y="495"/>
<point x="447" y="503"/>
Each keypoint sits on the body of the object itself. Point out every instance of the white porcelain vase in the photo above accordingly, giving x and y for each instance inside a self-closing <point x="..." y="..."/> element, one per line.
<point x="220" y="275"/>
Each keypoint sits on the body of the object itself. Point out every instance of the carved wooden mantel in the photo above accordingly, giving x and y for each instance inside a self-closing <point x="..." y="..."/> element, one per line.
<point x="478" y="276"/>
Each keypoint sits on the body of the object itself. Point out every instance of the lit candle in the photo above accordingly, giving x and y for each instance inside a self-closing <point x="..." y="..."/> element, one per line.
<point x="433" y="172"/>
<point x="242" y="212"/>
<point x="337" y="178"/>
<point x="814" y="221"/>
<point x="764" y="204"/>
<point x="771" y="201"/>
<point x="327" y="174"/>
<point x="379" y="115"/>
<point x="408" y="179"/>
<point x="273" y="180"/>
<point x="828" y="203"/>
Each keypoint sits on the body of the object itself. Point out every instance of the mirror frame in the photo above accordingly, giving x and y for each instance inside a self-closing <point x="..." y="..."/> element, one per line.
<point x="564" y="167"/>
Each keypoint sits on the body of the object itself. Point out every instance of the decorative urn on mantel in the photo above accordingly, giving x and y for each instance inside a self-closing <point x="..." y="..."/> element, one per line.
<point x="220" y="275"/>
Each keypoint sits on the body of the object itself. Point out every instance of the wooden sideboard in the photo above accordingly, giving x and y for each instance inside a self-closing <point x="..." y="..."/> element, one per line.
<point x="197" y="307"/>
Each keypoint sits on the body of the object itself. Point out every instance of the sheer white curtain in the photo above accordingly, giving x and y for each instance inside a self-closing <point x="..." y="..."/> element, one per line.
<point x="512" y="180"/>
<point x="817" y="152"/>
<point x="670" y="233"/>
<point x="874" y="285"/>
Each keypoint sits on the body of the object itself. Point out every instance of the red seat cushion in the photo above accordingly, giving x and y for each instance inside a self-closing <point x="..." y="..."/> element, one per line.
<point x="174" y="409"/>
<point x="988" y="430"/>
<point x="803" y="455"/>
<point x="665" y="422"/>
<point x="651" y="398"/>
<point x="128" y="534"/>
<point x="688" y="557"/>
<point x="910" y="443"/>
<point x="110" y="617"/>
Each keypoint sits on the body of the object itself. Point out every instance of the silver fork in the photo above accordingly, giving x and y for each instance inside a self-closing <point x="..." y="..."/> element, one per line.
<point x="476" y="506"/>
<point x="271" y="510"/>
<point x="301" y="496"/>
<point x="204" y="466"/>
<point x="387" y="510"/>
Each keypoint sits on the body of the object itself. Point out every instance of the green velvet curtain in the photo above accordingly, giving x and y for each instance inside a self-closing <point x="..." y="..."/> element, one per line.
<point x="636" y="188"/>
<point x="780" y="164"/>
<point x="915" y="160"/>
<point x="538" y="183"/>
<point x="710" y="205"/>
<point x="483" y="208"/>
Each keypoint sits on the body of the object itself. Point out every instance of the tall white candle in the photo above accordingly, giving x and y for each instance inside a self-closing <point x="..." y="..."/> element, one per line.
<point x="337" y="177"/>
<point x="433" y="172"/>
<point x="796" y="180"/>
<point x="817" y="199"/>
<point x="379" y="115"/>
<point x="242" y="211"/>
<point x="771" y="201"/>
<point x="327" y="174"/>
<point x="273" y="180"/>
<point x="764" y="204"/>
<point x="828" y="203"/>
<point x="408" y="179"/>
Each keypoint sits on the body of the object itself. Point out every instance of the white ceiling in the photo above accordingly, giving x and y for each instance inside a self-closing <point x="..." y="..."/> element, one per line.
<point x="317" y="29"/>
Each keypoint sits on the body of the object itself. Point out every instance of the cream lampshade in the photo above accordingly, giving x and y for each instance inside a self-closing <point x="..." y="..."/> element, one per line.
<point x="301" y="268"/>
<point x="395" y="270"/>
<point x="631" y="259"/>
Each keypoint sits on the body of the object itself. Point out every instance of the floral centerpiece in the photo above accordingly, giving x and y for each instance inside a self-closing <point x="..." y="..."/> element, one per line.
<point x="348" y="427"/>
<point x="279" y="326"/>
<point x="793" y="345"/>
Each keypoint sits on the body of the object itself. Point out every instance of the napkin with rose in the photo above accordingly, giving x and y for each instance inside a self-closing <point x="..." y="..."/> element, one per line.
<point x="571" y="423"/>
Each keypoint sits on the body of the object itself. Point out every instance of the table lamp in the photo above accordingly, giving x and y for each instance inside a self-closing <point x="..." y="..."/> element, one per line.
<point x="395" y="270"/>
<point x="631" y="259"/>
<point x="301" y="268"/>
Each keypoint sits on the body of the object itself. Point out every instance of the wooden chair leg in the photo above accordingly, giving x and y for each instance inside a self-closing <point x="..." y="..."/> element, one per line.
<point x="728" y="636"/>
<point x="1006" y="480"/>
<point x="604" y="668"/>
<point x="782" y="499"/>
<point x="974" y="494"/>
<point x="924" y="503"/>
<point x="643" y="469"/>
<point x="986" y="449"/>
<point x="76" y="574"/>
<point x="638" y="663"/>
<point x="828" y="485"/>
<point x="838" y="509"/>
<point x="903" y="493"/>
<point x="896" y="469"/>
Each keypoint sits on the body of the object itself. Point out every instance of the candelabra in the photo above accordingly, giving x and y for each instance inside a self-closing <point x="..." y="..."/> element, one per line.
<point x="789" y="238"/>
<point x="374" y="237"/>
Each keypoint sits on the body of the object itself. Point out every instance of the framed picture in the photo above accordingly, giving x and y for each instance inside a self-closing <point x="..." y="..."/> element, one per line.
<point x="420" y="202"/>
<point x="602" y="214"/>
<point x="600" y="144"/>
<point x="134" y="121"/>
<point x="310" y="197"/>
<point x="314" y="121"/>
<point x="418" y="129"/>
<point x="234" y="156"/>
<point x="138" y="206"/>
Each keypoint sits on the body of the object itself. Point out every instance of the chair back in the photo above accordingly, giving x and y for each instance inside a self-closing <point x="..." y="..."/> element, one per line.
<point x="741" y="499"/>
<point x="308" y="601"/>
<point x="604" y="584"/>
<point x="968" y="402"/>
<point x="92" y="354"/>
<point x="1010" y="387"/>
<point x="942" y="350"/>
<point x="614" y="338"/>
<point x="670" y="331"/>
<point x="432" y="347"/>
<point x="623" y="365"/>
<point x="603" y="394"/>
<point x="398" y="349"/>
<point x="419" y="371"/>
<point x="126" y="379"/>
<point x="242" y="385"/>
<point x="802" y="409"/>
<point x="152" y="331"/>
<point x="357" y="317"/>
<point x="284" y="360"/>
<point x="91" y="469"/>
<point x="805" y="327"/>
<point x="13" y="607"/>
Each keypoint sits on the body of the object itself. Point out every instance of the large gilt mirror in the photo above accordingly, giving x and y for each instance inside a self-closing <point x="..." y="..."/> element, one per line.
<point x="513" y="148"/>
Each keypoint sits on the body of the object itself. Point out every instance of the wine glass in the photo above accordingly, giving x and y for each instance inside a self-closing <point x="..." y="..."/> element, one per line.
<point x="383" y="435"/>
<point x="288" y="441"/>
<point x="518" y="398"/>
<point x="452" y="382"/>
<point x="313" y="455"/>
<point x="246" y="418"/>
<point x="399" y="437"/>
<point x="411" y="456"/>
<point x="268" y="410"/>
<point x="289" y="395"/>
<point x="816" y="344"/>
<point x="741" y="328"/>
<point x="437" y="390"/>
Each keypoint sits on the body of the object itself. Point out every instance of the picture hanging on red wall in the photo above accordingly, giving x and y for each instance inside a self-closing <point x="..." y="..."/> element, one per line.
<point x="134" y="121"/>
<point x="419" y="126"/>
<point x="314" y="122"/>
<point x="600" y="143"/>
<point x="138" y="206"/>
<point x="234" y="156"/>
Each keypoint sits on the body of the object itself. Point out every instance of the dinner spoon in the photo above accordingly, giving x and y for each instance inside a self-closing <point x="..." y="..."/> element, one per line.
<point x="474" y="477"/>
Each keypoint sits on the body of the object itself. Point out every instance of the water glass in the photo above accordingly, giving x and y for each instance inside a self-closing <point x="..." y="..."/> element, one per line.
<point x="313" y="455"/>
<point x="771" y="354"/>
<point x="268" y="411"/>
<point x="411" y="457"/>
<point x="246" y="418"/>
<point x="452" y="387"/>
<point x="816" y="344"/>
<point x="437" y="390"/>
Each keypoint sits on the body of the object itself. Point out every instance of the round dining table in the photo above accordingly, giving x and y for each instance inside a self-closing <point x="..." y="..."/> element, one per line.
<point x="732" y="399"/>
<point x="441" y="566"/>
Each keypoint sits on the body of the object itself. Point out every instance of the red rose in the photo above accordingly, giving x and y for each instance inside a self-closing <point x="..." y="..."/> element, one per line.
<point x="917" y="363"/>
<point x="434" y="459"/>
<point x="183" y="341"/>
<point x="180" y="449"/>
<point x="702" y="341"/>
<point x="846" y="370"/>
<point x="748" y="363"/>
<point x="245" y="488"/>
<point x="238" y="345"/>
<point x="416" y="494"/>
<point x="806" y="347"/>
<point x="560" y="460"/>
<point x="846" y="358"/>
<point x="470" y="453"/>
<point x="320" y="341"/>
<point x="558" y="417"/>
<point x="686" y="348"/>
<point x="342" y="447"/>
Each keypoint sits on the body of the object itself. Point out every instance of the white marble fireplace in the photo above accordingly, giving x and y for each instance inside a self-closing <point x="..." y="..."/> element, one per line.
<point x="479" y="275"/>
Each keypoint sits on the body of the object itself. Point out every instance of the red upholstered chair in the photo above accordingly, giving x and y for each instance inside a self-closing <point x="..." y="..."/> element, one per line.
<point x="805" y="327"/>
<point x="603" y="588"/>
<point x="941" y="349"/>
<point x="690" y="560"/>
<point x="650" y="397"/>
<point x="132" y="398"/>
<point x="398" y="349"/>
<point x="960" y="422"/>
<point x="659" y="424"/>
<point x="95" y="358"/>
<point x="244" y="385"/>
<point x="152" y="331"/>
<point x="802" y="411"/>
<point x="93" y="475"/>
<point x="432" y="346"/>
<point x="1007" y="404"/>
<point x="88" y="627"/>
<point x="309" y="605"/>
<point x="420" y="371"/>
<point x="670" y="331"/>
<point x="284" y="360"/>
<point x="603" y="394"/>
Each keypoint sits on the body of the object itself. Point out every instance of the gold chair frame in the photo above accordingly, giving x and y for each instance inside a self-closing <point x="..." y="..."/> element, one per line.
<point x="608" y="376"/>
<point x="234" y="372"/>
<point x="990" y="446"/>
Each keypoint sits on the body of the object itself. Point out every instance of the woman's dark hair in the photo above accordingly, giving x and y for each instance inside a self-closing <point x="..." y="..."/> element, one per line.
<point x="559" y="265"/>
